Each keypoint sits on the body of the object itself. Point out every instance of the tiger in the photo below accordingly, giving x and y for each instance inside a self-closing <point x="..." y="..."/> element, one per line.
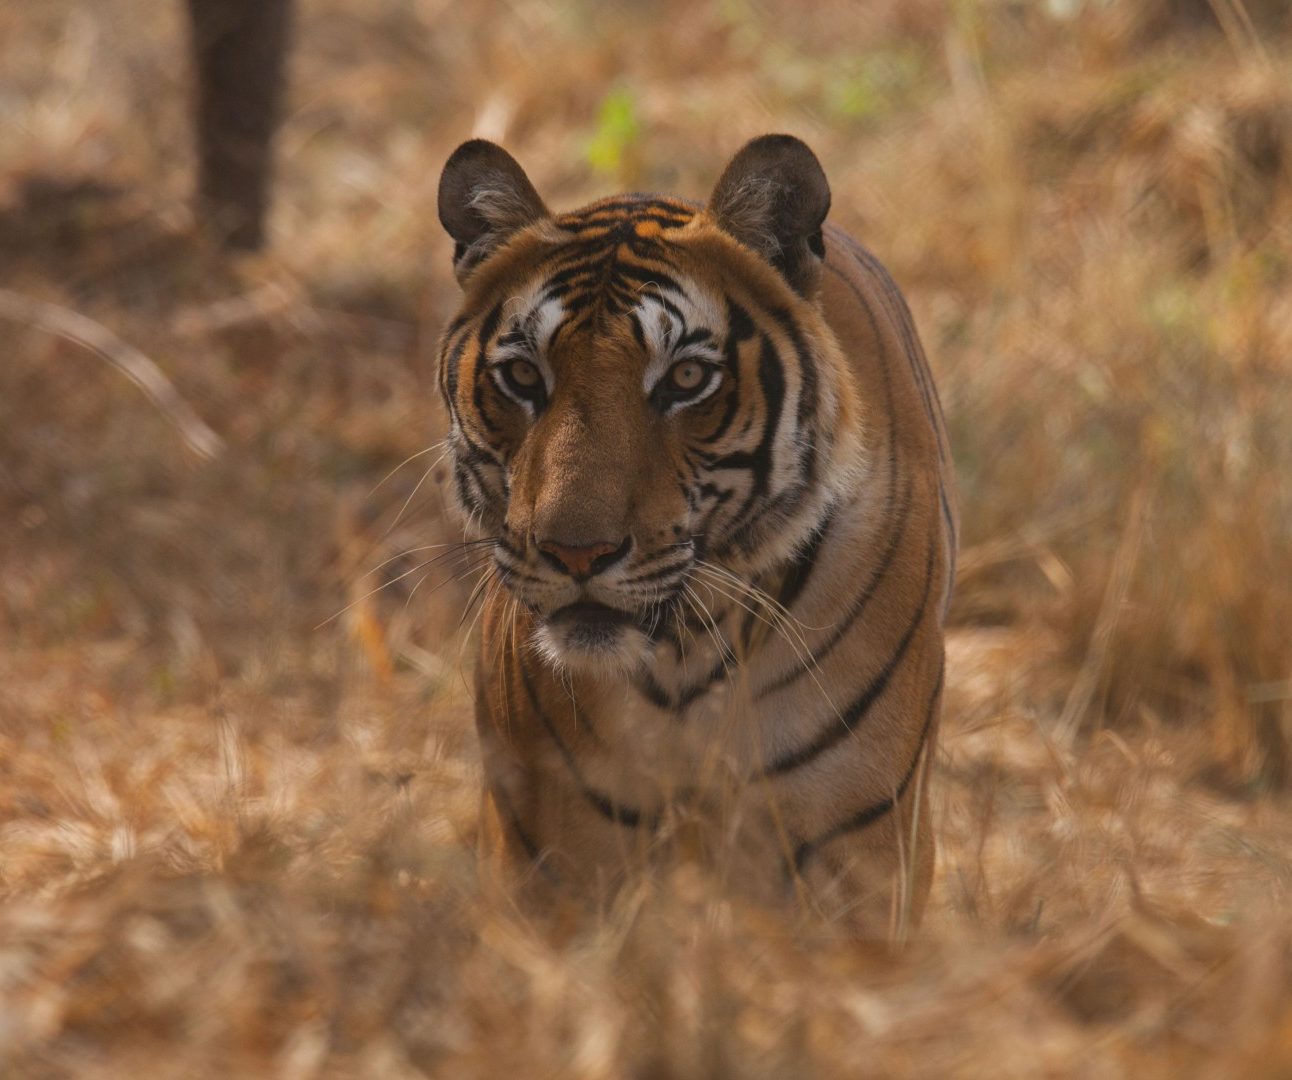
<point x="700" y="450"/>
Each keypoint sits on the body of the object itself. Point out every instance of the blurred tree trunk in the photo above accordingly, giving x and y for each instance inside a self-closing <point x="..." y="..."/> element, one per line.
<point x="238" y="48"/>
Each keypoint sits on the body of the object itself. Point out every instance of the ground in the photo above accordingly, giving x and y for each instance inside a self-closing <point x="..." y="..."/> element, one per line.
<point x="238" y="786"/>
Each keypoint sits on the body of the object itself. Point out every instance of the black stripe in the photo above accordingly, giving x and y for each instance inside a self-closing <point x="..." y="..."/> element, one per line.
<point x="884" y="359"/>
<point x="507" y="546"/>
<point x="719" y="672"/>
<point x="899" y="530"/>
<point x="649" y="688"/>
<point x="619" y="813"/>
<point x="758" y="462"/>
<point x="950" y="519"/>
<point x="573" y="253"/>
<point x="507" y="809"/>
<point x="516" y="573"/>
<point x="859" y="604"/>
<point x="872" y="813"/>
<point x="617" y="205"/>
<point x="743" y="531"/>
<point x="483" y="337"/>
<point x="574" y="305"/>
<point x="739" y="329"/>
<point x="629" y="204"/>
<point x="844" y="723"/>
<point x="451" y="362"/>
<point x="661" y="572"/>
<point x="489" y="326"/>
<point x="670" y="307"/>
<point x="644" y="275"/>
<point x="460" y="478"/>
<point x="929" y="395"/>
<point x="478" y="399"/>
<point x="475" y="454"/>
<point x="504" y="803"/>
<point x="807" y="366"/>
<point x="901" y="314"/>
<point x="555" y="283"/>
<point x="468" y="466"/>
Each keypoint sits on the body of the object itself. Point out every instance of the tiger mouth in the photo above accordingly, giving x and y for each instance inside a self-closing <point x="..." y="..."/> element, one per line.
<point x="590" y="625"/>
<point x="591" y="613"/>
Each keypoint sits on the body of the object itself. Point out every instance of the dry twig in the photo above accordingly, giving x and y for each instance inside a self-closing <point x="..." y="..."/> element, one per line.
<point x="133" y="364"/>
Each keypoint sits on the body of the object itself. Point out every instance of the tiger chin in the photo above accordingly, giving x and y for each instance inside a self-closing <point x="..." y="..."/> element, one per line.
<point x="702" y="446"/>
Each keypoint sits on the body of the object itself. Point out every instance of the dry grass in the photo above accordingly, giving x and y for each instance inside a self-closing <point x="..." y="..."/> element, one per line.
<point x="235" y="838"/>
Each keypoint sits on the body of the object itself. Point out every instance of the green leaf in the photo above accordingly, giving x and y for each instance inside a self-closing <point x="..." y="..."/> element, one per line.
<point x="618" y="129"/>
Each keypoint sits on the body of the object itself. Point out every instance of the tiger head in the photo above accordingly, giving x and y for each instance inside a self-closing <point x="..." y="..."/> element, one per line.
<point x="640" y="385"/>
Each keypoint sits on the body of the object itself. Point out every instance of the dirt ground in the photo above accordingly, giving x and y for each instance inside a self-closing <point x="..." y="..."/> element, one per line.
<point x="238" y="780"/>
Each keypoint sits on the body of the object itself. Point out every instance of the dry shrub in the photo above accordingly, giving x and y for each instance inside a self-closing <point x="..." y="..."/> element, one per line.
<point x="1111" y="288"/>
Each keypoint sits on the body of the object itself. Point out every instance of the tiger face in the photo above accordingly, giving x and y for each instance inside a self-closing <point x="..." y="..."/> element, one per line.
<point x="637" y="387"/>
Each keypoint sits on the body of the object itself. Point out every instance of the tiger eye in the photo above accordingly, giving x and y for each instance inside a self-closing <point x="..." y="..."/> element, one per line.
<point x="523" y="373"/>
<point x="687" y="375"/>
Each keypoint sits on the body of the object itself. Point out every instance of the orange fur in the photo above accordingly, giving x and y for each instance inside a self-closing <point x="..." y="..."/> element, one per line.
<point x="754" y="676"/>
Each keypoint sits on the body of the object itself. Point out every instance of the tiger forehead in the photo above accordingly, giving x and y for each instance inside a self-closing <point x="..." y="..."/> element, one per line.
<point x="600" y="260"/>
<point x="619" y="216"/>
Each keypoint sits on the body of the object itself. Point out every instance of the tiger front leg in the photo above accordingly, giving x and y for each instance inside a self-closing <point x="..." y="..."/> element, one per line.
<point x="874" y="878"/>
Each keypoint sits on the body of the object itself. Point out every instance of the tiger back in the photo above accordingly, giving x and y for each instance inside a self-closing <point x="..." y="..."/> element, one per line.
<point x="703" y="448"/>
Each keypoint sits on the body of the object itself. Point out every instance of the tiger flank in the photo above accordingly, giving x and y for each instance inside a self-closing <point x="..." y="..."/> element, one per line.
<point x="704" y="449"/>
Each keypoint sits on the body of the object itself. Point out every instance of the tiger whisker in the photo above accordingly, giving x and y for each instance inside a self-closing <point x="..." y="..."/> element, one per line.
<point x="809" y="661"/>
<point x="481" y="596"/>
<point x="706" y="617"/>
<point x="735" y="599"/>
<point x="474" y="568"/>
<point x="755" y="592"/>
<point x="460" y="544"/>
<point x="456" y="551"/>
<point x="683" y="633"/>
<point x="379" y="588"/>
<point x="479" y="599"/>
<point x="476" y="594"/>
<point x="442" y="446"/>
<point x="412" y="495"/>
<point x="781" y="624"/>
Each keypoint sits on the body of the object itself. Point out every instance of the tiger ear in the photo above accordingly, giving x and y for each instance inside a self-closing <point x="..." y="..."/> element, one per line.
<point x="484" y="197"/>
<point x="773" y="197"/>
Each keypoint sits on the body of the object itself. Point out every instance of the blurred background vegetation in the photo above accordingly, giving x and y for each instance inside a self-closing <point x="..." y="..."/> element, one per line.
<point x="217" y="743"/>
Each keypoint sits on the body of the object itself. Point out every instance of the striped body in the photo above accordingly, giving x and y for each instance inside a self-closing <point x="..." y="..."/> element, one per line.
<point x="753" y="676"/>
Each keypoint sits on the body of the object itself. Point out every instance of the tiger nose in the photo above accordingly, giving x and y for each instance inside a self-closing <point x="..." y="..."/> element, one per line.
<point x="584" y="560"/>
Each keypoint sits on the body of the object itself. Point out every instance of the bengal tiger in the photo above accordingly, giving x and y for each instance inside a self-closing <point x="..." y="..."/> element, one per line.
<point x="702" y="449"/>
